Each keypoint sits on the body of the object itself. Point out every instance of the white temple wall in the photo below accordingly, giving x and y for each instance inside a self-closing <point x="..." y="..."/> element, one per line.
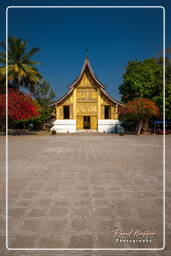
<point x="69" y="126"/>
<point x="107" y="125"/>
<point x="64" y="126"/>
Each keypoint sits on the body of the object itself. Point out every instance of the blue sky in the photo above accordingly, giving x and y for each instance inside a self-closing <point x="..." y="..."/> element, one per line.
<point x="113" y="37"/>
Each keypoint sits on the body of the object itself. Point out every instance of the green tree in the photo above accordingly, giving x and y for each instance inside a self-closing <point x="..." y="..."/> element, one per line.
<point x="44" y="95"/>
<point x="145" y="79"/>
<point x="22" y="71"/>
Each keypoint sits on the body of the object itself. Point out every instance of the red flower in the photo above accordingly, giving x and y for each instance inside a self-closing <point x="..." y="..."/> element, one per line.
<point x="20" y="106"/>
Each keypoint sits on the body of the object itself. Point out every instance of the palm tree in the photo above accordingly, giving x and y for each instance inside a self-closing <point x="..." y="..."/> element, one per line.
<point x="21" y="69"/>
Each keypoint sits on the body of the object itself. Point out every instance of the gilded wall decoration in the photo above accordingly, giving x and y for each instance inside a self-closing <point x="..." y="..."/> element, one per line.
<point x="86" y="95"/>
<point x="87" y="108"/>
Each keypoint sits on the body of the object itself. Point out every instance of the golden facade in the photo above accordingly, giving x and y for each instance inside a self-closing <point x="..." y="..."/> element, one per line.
<point x="86" y="101"/>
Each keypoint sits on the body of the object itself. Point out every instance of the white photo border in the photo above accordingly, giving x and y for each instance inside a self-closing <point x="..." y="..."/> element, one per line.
<point x="164" y="169"/>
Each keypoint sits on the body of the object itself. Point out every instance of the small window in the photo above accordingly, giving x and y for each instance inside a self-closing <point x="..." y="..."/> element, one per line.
<point x="66" y="112"/>
<point x="107" y="112"/>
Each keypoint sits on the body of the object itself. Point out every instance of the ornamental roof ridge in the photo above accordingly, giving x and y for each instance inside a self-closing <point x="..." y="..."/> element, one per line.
<point x="72" y="86"/>
<point x="86" y="64"/>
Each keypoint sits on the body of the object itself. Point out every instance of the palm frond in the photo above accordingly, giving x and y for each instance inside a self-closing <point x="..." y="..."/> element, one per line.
<point x="31" y="53"/>
<point x="21" y="69"/>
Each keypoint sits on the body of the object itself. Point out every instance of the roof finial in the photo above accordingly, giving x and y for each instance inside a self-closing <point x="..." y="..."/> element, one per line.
<point x="86" y="52"/>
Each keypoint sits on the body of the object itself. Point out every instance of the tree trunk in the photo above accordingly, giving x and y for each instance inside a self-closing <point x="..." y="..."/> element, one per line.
<point x="139" y="127"/>
<point x="145" y="125"/>
<point x="3" y="125"/>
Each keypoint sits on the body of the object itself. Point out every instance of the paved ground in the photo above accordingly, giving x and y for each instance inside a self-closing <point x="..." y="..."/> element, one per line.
<point x="73" y="191"/>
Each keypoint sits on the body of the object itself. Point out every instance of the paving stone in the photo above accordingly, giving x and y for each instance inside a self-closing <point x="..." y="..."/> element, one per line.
<point x="81" y="224"/>
<point x="82" y="202"/>
<point x="147" y="211"/>
<point x="100" y="194"/>
<point x="24" y="202"/>
<point x="105" y="240"/>
<point x="105" y="212"/>
<point x="41" y="203"/>
<point x="51" y="241"/>
<point x="34" y="212"/>
<point x="72" y="191"/>
<point x="58" y="211"/>
<point x="104" y="225"/>
<point x="22" y="241"/>
<point x="16" y="212"/>
<point x="125" y="211"/>
<point x="13" y="222"/>
<point x="31" y="225"/>
<point x="81" y="241"/>
<point x="81" y="212"/>
<point x="101" y="202"/>
<point x="59" y="225"/>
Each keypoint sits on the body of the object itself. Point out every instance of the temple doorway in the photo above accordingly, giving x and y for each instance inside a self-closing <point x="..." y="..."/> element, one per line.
<point x="86" y="123"/>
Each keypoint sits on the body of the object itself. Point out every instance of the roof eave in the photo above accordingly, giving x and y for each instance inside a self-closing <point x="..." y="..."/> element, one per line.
<point x="62" y="98"/>
<point x="110" y="98"/>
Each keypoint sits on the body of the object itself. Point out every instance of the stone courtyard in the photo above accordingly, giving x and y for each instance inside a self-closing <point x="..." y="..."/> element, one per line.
<point x="73" y="191"/>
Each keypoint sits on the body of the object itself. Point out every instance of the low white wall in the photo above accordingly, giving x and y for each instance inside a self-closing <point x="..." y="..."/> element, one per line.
<point x="64" y="126"/>
<point x="107" y="125"/>
<point x="68" y="125"/>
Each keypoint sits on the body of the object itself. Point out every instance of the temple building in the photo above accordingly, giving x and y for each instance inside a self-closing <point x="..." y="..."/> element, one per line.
<point x="86" y="105"/>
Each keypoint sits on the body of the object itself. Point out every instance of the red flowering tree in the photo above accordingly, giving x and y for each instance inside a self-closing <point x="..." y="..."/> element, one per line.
<point x="140" y="110"/>
<point x="21" y="107"/>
